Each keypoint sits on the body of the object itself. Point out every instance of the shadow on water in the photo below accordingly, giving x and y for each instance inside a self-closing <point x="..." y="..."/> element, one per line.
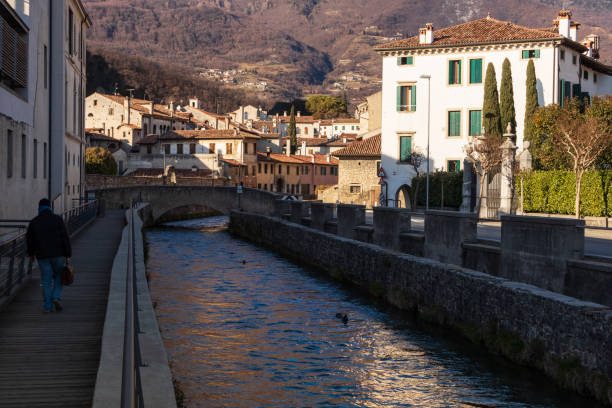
<point x="245" y="327"/>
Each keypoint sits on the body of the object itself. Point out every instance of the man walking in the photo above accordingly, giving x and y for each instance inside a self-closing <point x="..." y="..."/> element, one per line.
<point x="48" y="241"/>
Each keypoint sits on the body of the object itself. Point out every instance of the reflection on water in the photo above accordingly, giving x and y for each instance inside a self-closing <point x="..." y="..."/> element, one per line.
<point x="246" y="328"/>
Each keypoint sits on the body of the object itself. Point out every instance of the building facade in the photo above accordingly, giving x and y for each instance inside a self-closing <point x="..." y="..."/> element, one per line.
<point x="41" y="105"/>
<point x="433" y="84"/>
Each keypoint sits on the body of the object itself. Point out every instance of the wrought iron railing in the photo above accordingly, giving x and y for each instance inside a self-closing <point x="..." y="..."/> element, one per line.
<point x="15" y="266"/>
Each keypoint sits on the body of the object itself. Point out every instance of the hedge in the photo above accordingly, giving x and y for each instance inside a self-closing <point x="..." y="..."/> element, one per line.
<point x="553" y="192"/>
<point x="452" y="182"/>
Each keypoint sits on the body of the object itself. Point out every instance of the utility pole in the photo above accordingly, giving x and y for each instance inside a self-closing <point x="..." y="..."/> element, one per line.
<point x="428" y="78"/>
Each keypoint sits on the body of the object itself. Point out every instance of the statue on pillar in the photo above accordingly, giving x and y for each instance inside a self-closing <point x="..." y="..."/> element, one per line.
<point x="507" y="172"/>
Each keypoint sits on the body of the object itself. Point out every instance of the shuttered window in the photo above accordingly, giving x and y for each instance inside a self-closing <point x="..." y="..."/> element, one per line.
<point x="406" y="98"/>
<point x="405" y="60"/>
<point x="405" y="148"/>
<point x="476" y="71"/>
<point x="565" y="91"/>
<point x="475" y="122"/>
<point x="454" y="123"/>
<point x="453" y="166"/>
<point x="14" y="54"/>
<point x="454" y="72"/>
<point x="531" y="54"/>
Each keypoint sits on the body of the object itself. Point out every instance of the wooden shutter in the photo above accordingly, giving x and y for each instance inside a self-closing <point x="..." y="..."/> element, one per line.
<point x="399" y="60"/>
<point x="568" y="90"/>
<point x="451" y="72"/>
<point x="536" y="54"/>
<point x="459" y="71"/>
<point x="475" y="71"/>
<point x="409" y="60"/>
<point x="413" y="98"/>
<point x="454" y="123"/>
<point x="525" y="54"/>
<point x="405" y="147"/>
<point x="475" y="122"/>
<point x="399" y="100"/>
<point x="576" y="91"/>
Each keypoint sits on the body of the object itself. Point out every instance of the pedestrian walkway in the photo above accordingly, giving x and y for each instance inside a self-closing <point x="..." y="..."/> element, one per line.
<point x="51" y="360"/>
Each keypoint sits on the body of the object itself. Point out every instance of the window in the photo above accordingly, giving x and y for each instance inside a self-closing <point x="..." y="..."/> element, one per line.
<point x="110" y="111"/>
<point x="259" y="186"/>
<point x="45" y="67"/>
<point x="305" y="131"/>
<point x="355" y="189"/>
<point x="14" y="52"/>
<point x="586" y="74"/>
<point x="259" y="167"/>
<point x="211" y="148"/>
<point x="280" y="169"/>
<point x="307" y="170"/>
<point x="35" y="159"/>
<point x="9" y="154"/>
<point x="454" y="123"/>
<point x="192" y="148"/>
<point x="287" y="170"/>
<point x="476" y="71"/>
<point x="70" y="31"/>
<point x="475" y="122"/>
<point x="253" y="172"/>
<point x="155" y="129"/>
<point x="565" y="91"/>
<point x="45" y="160"/>
<point x="95" y="102"/>
<point x="527" y="54"/>
<point x="266" y="168"/>
<point x="574" y="59"/>
<point x="167" y="149"/>
<point x="406" y="98"/>
<point x="179" y="148"/>
<point x="228" y="148"/>
<point x="405" y="60"/>
<point x="149" y="149"/>
<point x="453" y="166"/>
<point x="594" y="77"/>
<point x="24" y="146"/>
<point x="297" y="170"/>
<point x="405" y="148"/>
<point x="454" y="72"/>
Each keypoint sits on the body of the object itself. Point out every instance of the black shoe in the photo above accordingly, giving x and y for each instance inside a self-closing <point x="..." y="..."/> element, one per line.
<point x="58" y="305"/>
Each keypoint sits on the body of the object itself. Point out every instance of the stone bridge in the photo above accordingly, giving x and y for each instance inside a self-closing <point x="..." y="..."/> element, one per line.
<point x="163" y="199"/>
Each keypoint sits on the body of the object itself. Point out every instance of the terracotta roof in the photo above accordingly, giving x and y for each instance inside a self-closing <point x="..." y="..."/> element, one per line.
<point x="313" y="141"/>
<point x="102" y="136"/>
<point x="345" y="120"/>
<point x="214" y="115"/>
<point x="232" y="162"/>
<point x="269" y="135"/>
<point x="150" y="139"/>
<point x="369" y="147"/>
<point x="483" y="31"/>
<point x="279" y="158"/>
<point x="340" y="142"/>
<point x="206" y="134"/>
<point x="318" y="159"/>
<point x="129" y="125"/>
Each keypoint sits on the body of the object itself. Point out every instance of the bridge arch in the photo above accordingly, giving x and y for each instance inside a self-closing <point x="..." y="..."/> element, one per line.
<point x="163" y="199"/>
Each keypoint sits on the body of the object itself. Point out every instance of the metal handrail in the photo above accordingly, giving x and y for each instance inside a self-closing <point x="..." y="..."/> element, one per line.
<point x="131" y="389"/>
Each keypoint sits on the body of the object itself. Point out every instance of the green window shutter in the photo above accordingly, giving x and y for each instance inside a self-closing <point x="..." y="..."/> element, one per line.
<point x="475" y="122"/>
<point x="410" y="60"/>
<point x="525" y="54"/>
<point x="459" y="73"/>
<point x="413" y="98"/>
<point x="476" y="71"/>
<point x="399" y="100"/>
<point x="451" y="72"/>
<point x="562" y="91"/>
<point x="454" y="123"/>
<point x="568" y="89"/>
<point x="458" y="166"/>
<point x="406" y="147"/>
<point x="576" y="91"/>
<point x="537" y="54"/>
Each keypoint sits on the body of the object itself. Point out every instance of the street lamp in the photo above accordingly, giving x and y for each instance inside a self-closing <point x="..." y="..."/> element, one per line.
<point x="428" y="78"/>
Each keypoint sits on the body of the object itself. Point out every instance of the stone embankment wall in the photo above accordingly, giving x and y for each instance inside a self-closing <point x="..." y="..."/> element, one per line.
<point x="156" y="378"/>
<point x="97" y="181"/>
<point x="568" y="339"/>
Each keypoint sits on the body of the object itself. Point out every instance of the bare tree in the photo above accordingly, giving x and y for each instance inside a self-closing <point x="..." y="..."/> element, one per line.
<point x="416" y="160"/>
<point x="485" y="154"/>
<point x="584" y="137"/>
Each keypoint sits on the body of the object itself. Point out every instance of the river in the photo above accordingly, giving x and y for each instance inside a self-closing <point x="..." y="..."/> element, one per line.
<point x="244" y="327"/>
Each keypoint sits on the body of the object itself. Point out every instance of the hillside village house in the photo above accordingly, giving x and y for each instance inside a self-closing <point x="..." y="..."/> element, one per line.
<point x="369" y="113"/>
<point x="358" y="181"/>
<point x="295" y="174"/>
<point x="42" y="138"/>
<point x="246" y="113"/>
<point x="452" y="61"/>
<point x="128" y="119"/>
<point x="208" y="120"/>
<point x="201" y="149"/>
<point x="334" y="128"/>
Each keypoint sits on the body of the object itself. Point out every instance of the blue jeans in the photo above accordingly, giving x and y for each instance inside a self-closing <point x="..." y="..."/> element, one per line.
<point x="51" y="278"/>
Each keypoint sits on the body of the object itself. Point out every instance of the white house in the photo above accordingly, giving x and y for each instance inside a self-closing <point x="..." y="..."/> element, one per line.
<point x="42" y="135"/>
<point x="440" y="74"/>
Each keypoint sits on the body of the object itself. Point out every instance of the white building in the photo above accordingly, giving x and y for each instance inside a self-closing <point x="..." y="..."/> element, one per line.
<point x="445" y="69"/>
<point x="42" y="139"/>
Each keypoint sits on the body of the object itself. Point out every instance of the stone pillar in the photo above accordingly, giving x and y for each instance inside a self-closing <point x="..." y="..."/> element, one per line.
<point x="281" y="207"/>
<point x="299" y="210"/>
<point x="466" y="202"/>
<point x="320" y="213"/>
<point x="445" y="233"/>
<point x="507" y="175"/>
<point x="535" y="250"/>
<point x="349" y="217"/>
<point x="389" y="223"/>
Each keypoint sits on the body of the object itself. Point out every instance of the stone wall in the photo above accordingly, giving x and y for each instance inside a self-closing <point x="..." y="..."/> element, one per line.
<point x="566" y="338"/>
<point x="97" y="181"/>
<point x="361" y="173"/>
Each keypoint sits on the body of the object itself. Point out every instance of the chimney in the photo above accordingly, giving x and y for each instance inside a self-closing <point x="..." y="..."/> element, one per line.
<point x="250" y="124"/>
<point x="564" y="23"/>
<point x="429" y="34"/>
<point x="126" y="108"/>
<point x="268" y="152"/>
<point x="592" y="42"/>
<point x="328" y="158"/>
<point x="303" y="147"/>
<point x="422" y="35"/>
<point x="285" y="113"/>
<point x="299" y="114"/>
<point x="171" y="106"/>
<point x="574" y="31"/>
<point x="150" y="108"/>
<point x="288" y="149"/>
<point x="227" y="123"/>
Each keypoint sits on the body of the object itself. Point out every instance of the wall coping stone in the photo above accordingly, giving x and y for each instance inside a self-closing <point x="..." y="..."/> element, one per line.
<point x="570" y="222"/>
<point x="591" y="264"/>
<point x="456" y="214"/>
<point x="350" y="206"/>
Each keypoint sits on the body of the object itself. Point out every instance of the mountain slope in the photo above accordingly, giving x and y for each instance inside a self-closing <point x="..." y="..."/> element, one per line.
<point x="300" y="46"/>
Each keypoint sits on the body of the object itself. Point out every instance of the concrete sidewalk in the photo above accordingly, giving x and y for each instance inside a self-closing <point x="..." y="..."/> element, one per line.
<point x="51" y="360"/>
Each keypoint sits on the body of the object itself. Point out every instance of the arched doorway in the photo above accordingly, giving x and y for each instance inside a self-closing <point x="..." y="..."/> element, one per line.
<point x="402" y="197"/>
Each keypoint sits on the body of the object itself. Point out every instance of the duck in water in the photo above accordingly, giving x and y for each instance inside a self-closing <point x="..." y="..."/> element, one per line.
<point x="343" y="317"/>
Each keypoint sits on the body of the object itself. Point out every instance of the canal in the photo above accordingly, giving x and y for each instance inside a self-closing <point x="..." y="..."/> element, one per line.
<point x="244" y="327"/>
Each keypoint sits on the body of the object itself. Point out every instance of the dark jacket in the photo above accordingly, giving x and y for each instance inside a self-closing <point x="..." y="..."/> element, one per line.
<point x="47" y="237"/>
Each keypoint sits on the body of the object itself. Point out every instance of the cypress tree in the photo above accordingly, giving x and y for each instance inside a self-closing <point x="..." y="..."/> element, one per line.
<point x="506" y="98"/>
<point x="491" y="117"/>
<point x="531" y="103"/>
<point x="291" y="131"/>
<point x="344" y="102"/>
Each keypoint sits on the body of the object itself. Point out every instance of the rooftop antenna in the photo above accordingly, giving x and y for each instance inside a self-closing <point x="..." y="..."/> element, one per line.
<point x="116" y="89"/>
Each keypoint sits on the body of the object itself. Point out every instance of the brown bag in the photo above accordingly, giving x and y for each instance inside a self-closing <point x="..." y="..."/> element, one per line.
<point x="67" y="275"/>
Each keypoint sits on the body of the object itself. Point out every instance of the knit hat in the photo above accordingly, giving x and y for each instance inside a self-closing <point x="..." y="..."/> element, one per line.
<point x="44" y="203"/>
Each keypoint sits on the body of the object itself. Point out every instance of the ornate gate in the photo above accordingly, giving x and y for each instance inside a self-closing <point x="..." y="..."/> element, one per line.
<point x="493" y="195"/>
